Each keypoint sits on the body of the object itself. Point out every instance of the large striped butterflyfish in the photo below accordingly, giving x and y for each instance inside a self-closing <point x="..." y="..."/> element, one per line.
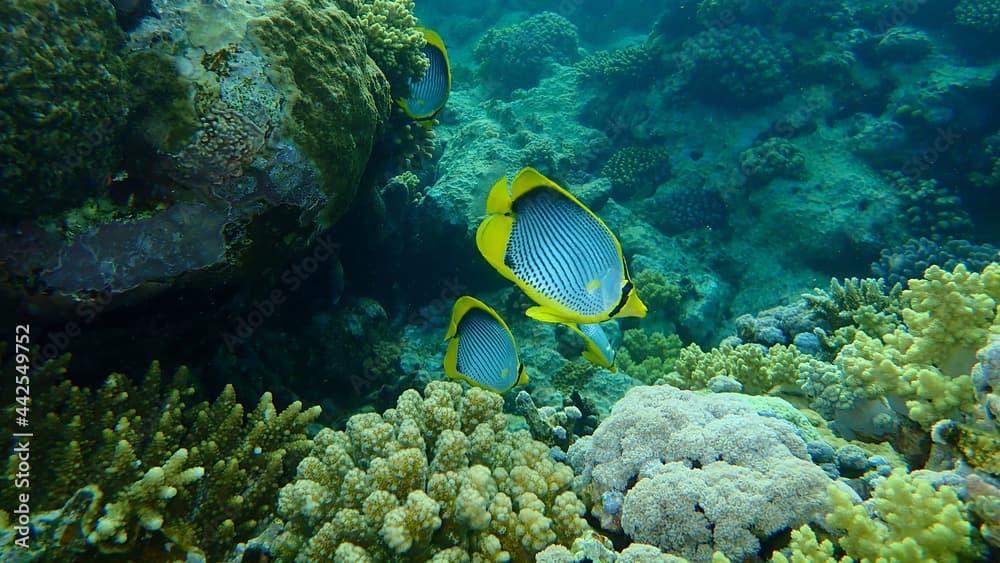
<point x="557" y="251"/>
<point x="599" y="350"/>
<point x="429" y="94"/>
<point x="481" y="349"/>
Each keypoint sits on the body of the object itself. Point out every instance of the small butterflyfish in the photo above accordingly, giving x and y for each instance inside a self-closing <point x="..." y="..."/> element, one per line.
<point x="481" y="349"/>
<point x="429" y="94"/>
<point x="599" y="350"/>
<point x="562" y="255"/>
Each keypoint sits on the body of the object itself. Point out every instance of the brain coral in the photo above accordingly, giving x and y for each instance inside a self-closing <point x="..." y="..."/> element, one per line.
<point x="437" y="478"/>
<point x="697" y="473"/>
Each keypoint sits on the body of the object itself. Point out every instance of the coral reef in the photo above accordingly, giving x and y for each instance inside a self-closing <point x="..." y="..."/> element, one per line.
<point x="393" y="40"/>
<point x="648" y="357"/>
<point x="63" y="103"/>
<point x="735" y="64"/>
<point x="628" y="67"/>
<point x="678" y="210"/>
<point x="339" y="96"/>
<point x="776" y="157"/>
<point x="926" y="363"/>
<point x="914" y="522"/>
<point x="982" y="15"/>
<point x="911" y="259"/>
<point x="697" y="473"/>
<point x="135" y="468"/>
<point x="759" y="369"/>
<point x="437" y="477"/>
<point x="515" y="57"/>
<point x="636" y="172"/>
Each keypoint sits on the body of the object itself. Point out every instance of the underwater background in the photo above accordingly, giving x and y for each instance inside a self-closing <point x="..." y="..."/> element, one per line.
<point x="235" y="234"/>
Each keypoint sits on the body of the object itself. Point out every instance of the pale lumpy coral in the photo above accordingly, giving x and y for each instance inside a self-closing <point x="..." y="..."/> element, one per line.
<point x="695" y="473"/>
<point x="439" y="477"/>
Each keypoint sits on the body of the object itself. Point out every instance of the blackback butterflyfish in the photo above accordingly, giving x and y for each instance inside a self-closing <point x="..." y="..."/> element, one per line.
<point x="599" y="350"/>
<point x="562" y="255"/>
<point x="429" y="94"/>
<point x="481" y="348"/>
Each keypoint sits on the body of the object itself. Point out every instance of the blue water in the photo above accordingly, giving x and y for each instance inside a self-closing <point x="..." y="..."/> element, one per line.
<point x="804" y="196"/>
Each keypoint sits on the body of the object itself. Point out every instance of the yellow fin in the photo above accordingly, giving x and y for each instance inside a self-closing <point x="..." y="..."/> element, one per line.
<point x="498" y="200"/>
<point x="491" y="239"/>
<point x="522" y="378"/>
<point x="634" y="307"/>
<point x="547" y="315"/>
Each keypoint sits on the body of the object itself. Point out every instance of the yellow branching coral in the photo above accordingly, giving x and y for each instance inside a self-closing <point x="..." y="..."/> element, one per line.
<point x="928" y="362"/>
<point x="759" y="369"/>
<point x="913" y="522"/>
<point x="393" y="40"/>
<point x="438" y="478"/>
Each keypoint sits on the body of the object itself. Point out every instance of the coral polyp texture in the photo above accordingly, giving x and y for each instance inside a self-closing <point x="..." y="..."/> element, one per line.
<point x="339" y="98"/>
<point x="438" y="478"/>
<point x="694" y="473"/>
<point x="63" y="102"/>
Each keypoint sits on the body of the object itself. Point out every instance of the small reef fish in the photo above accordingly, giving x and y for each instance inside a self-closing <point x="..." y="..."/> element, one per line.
<point x="599" y="350"/>
<point x="557" y="251"/>
<point x="481" y="348"/>
<point x="429" y="94"/>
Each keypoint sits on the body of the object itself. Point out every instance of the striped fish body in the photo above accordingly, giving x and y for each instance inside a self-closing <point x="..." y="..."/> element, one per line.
<point x="599" y="350"/>
<point x="481" y="349"/>
<point x="430" y="93"/>
<point x="557" y="251"/>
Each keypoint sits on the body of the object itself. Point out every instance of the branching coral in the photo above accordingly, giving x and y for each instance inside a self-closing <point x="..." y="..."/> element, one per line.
<point x="927" y="363"/>
<point x="648" y="357"/>
<point x="913" y="522"/>
<point x="758" y="368"/>
<point x="393" y="40"/>
<point x="863" y="304"/>
<point x="435" y="478"/>
<point x="131" y="467"/>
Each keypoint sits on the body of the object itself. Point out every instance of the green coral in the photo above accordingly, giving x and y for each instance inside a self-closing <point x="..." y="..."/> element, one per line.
<point x="760" y="370"/>
<point x="858" y="304"/>
<point x="438" y="478"/>
<point x="932" y="209"/>
<point x="982" y="15"/>
<point x="628" y="66"/>
<point x="63" y="103"/>
<point x="776" y="157"/>
<point x="735" y="62"/>
<point x="914" y="521"/>
<point x="659" y="291"/>
<point x="927" y="361"/>
<point x="636" y="172"/>
<point x="515" y="56"/>
<point x="648" y="357"/>
<point x="991" y="154"/>
<point x="131" y="469"/>
<point x="339" y="97"/>
<point x="163" y="101"/>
